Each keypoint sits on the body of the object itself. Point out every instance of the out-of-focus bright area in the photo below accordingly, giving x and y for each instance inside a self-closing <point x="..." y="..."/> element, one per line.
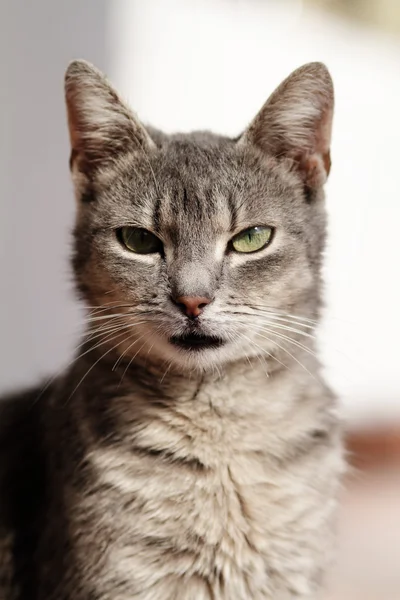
<point x="211" y="64"/>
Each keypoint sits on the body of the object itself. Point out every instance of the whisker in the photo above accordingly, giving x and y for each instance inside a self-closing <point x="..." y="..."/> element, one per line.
<point x="276" y="311"/>
<point x="69" y="365"/>
<point x="284" y="327"/>
<point x="125" y="351"/>
<point x="273" y="326"/>
<point x="258" y="356"/>
<point x="110" y="329"/>
<point x="92" y="334"/>
<point x="166" y="371"/>
<point x="94" y="364"/>
<point x="316" y="321"/>
<point x="282" y="317"/>
<point x="258" y="327"/>
<point x="264" y="351"/>
<point x="287" y="352"/>
<point x="103" y="317"/>
<point x="291" y="341"/>
<point x="95" y="311"/>
<point x="133" y="358"/>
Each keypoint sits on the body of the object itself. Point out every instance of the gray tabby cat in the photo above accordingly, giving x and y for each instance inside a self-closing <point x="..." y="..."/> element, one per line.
<point x="191" y="450"/>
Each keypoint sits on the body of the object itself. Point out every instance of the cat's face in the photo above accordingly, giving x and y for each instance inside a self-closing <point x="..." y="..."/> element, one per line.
<point x="195" y="250"/>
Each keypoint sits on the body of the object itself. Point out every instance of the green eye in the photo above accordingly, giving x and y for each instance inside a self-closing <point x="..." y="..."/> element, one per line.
<point x="252" y="240"/>
<point x="139" y="240"/>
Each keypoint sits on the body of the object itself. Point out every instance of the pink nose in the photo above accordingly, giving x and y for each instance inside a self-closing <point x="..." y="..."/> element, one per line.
<point x="192" y="306"/>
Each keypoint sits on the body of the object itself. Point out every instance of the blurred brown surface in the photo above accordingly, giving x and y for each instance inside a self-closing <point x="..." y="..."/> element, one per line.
<point x="368" y="562"/>
<point x="374" y="447"/>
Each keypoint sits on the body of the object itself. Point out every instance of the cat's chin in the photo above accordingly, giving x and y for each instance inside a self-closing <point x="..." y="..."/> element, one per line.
<point x="188" y="355"/>
<point x="201" y="348"/>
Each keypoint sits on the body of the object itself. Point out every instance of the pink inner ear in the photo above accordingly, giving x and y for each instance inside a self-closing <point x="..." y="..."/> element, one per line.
<point x="316" y="165"/>
<point x="315" y="169"/>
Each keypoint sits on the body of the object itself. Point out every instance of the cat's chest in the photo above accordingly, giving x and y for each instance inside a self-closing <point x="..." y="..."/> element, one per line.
<point x="205" y="522"/>
<point x="198" y="494"/>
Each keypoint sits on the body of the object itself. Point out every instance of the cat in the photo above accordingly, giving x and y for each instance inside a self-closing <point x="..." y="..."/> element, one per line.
<point x="191" y="451"/>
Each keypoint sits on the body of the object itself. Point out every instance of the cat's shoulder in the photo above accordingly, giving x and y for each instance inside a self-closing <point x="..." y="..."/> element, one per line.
<point x="20" y="448"/>
<point x="19" y="413"/>
<point x="21" y="483"/>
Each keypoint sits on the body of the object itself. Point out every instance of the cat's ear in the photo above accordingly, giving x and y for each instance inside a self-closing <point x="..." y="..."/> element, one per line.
<point x="101" y="126"/>
<point x="296" y="123"/>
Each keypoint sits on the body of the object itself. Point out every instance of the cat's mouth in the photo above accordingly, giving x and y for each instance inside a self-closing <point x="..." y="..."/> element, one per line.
<point x="196" y="341"/>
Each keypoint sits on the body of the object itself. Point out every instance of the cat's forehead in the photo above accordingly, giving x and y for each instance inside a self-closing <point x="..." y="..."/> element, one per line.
<point x="196" y="183"/>
<point x="187" y="182"/>
<point x="212" y="179"/>
<point x="196" y="180"/>
<point x="203" y="159"/>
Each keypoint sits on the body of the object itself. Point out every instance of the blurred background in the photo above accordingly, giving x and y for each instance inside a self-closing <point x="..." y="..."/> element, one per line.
<point x="211" y="64"/>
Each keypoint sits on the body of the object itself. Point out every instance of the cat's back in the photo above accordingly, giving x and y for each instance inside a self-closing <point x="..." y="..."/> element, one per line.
<point x="22" y="488"/>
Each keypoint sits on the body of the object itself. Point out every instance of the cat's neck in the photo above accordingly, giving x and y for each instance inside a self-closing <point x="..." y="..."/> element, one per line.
<point x="116" y="405"/>
<point x="159" y="379"/>
<point x="95" y="371"/>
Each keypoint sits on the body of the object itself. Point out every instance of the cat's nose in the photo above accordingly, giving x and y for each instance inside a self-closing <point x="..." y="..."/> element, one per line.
<point x="192" y="306"/>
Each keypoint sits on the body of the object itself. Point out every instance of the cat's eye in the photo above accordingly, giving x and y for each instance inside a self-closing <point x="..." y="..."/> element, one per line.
<point x="139" y="240"/>
<point x="252" y="239"/>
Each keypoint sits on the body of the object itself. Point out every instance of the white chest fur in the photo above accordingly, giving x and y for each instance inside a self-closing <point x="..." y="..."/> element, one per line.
<point x="227" y="497"/>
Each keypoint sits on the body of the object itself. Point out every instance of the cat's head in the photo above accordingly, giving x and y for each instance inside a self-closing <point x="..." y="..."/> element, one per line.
<point x="196" y="249"/>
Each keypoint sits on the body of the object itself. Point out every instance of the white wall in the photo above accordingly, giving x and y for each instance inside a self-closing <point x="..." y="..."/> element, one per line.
<point x="211" y="64"/>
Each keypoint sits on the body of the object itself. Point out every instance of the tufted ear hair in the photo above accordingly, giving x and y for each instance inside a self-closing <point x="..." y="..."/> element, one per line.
<point x="101" y="126"/>
<point x="296" y="123"/>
